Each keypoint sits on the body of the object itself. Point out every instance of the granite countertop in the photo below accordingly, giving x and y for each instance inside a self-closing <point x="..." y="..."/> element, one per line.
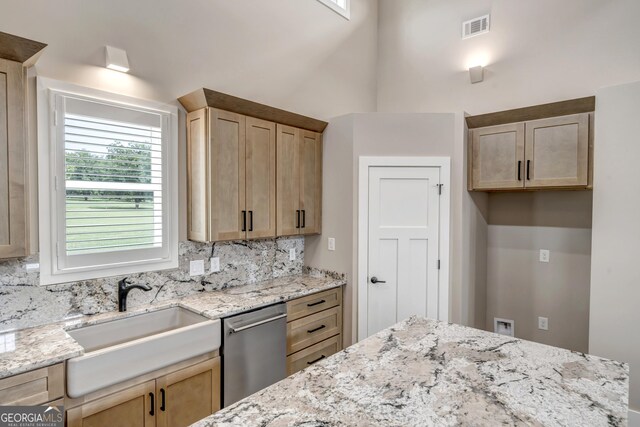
<point x="33" y="348"/>
<point x="422" y="372"/>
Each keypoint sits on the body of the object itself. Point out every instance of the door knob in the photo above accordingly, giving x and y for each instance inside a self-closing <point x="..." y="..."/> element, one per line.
<point x="375" y="280"/>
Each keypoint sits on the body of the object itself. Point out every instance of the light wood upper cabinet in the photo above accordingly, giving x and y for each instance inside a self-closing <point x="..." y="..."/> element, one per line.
<point x="557" y="152"/>
<point x="299" y="181"/>
<point x="497" y="156"/>
<point x="188" y="395"/>
<point x="553" y="153"/>
<point x="227" y="157"/>
<point x="261" y="178"/>
<point x="13" y="150"/>
<point x="231" y="173"/>
<point x="133" y="407"/>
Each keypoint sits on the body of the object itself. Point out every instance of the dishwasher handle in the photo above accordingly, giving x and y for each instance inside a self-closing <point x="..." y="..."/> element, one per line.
<point x="233" y="330"/>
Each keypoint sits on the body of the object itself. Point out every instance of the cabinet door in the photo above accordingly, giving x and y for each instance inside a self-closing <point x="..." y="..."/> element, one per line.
<point x="261" y="178"/>
<point x="227" y="175"/>
<point x="557" y="152"/>
<point x="133" y="407"/>
<point x="311" y="182"/>
<point x="497" y="157"/>
<point x="13" y="237"/>
<point x="288" y="180"/>
<point x="197" y="183"/>
<point x="188" y="395"/>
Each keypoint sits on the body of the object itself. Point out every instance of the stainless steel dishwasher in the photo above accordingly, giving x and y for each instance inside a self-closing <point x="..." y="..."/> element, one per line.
<point x="254" y="351"/>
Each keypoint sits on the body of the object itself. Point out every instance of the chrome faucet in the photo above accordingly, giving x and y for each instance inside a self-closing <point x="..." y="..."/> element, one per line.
<point x="123" y="290"/>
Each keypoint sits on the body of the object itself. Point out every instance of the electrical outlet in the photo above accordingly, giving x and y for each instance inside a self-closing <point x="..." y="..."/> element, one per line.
<point x="292" y="254"/>
<point x="544" y="255"/>
<point x="332" y="244"/>
<point x="543" y="323"/>
<point x="196" y="268"/>
<point x="215" y="265"/>
<point x="34" y="266"/>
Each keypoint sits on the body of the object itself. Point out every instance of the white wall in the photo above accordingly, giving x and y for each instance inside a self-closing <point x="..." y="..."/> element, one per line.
<point x="293" y="54"/>
<point x="346" y="139"/>
<point x="537" y="51"/>
<point x="615" y="276"/>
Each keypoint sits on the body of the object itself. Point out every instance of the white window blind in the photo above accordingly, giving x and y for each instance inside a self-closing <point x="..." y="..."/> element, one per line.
<point x="113" y="183"/>
<point x="112" y="191"/>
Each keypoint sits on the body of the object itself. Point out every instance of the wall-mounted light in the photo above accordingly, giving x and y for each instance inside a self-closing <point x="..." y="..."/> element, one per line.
<point x="476" y="74"/>
<point x="116" y="59"/>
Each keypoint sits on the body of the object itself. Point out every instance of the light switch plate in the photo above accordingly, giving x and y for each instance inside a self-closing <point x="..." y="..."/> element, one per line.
<point x="196" y="268"/>
<point x="332" y="244"/>
<point x="543" y="323"/>
<point x="544" y="255"/>
<point x="292" y="254"/>
<point x="215" y="265"/>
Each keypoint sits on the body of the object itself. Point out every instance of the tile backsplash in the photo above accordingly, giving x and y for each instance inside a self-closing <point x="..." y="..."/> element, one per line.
<point x="24" y="303"/>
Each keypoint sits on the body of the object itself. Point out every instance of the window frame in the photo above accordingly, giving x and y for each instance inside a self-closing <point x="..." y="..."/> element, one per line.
<point x="51" y="148"/>
<point x="345" y="12"/>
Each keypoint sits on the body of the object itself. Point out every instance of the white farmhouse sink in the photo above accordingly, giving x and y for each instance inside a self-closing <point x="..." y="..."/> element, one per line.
<point x="122" y="349"/>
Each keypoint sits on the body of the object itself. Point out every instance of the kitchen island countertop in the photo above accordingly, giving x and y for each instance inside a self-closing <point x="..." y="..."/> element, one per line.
<point x="423" y="373"/>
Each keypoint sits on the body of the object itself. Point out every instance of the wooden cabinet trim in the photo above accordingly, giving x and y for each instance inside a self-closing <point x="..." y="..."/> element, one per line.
<point x="198" y="197"/>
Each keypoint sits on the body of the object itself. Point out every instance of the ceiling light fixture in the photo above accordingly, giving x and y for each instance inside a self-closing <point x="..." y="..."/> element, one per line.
<point x="116" y="59"/>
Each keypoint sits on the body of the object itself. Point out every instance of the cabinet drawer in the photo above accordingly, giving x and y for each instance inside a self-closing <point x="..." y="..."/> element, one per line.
<point x="307" y="357"/>
<point x="33" y="388"/>
<point x="310" y="330"/>
<point x="311" y="304"/>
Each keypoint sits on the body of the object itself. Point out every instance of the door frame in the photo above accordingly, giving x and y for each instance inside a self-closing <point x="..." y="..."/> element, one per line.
<point x="366" y="162"/>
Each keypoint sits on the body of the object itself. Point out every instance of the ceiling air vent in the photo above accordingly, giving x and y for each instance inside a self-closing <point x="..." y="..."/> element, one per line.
<point x="475" y="27"/>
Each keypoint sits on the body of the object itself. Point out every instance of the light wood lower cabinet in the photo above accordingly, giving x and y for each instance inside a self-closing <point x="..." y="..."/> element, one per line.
<point x="314" y="329"/>
<point x="188" y="395"/>
<point x="133" y="407"/>
<point x="36" y="387"/>
<point x="175" y="399"/>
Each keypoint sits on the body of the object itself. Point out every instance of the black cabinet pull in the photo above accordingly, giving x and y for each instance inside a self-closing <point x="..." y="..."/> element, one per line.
<point x="304" y="218"/>
<point x="162" y="407"/>
<point x="519" y="170"/>
<point x="250" y="220"/>
<point x="244" y="221"/>
<point x="313" y="304"/>
<point x="297" y="219"/>
<point x="153" y="404"/>
<point x="317" y="360"/>
<point x="528" y="170"/>
<point x="319" y="328"/>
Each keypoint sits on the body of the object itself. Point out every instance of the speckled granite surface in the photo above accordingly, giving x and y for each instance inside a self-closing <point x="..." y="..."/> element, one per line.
<point x="28" y="349"/>
<point x="24" y="303"/>
<point x="428" y="373"/>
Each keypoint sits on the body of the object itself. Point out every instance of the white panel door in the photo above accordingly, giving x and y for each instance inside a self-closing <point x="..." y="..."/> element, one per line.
<point x="403" y="236"/>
